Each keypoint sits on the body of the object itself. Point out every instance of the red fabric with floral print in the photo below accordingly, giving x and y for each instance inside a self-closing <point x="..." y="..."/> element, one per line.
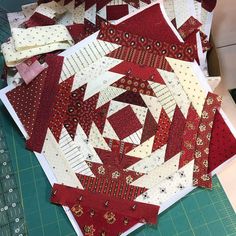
<point x="103" y="215"/>
<point x="200" y="174"/>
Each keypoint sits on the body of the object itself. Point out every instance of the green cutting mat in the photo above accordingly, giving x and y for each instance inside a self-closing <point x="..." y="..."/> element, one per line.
<point x="201" y="213"/>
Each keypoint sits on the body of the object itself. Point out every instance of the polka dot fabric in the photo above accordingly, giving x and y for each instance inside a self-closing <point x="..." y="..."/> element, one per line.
<point x="25" y="100"/>
<point x="36" y="140"/>
<point x="60" y="106"/>
<point x="222" y="145"/>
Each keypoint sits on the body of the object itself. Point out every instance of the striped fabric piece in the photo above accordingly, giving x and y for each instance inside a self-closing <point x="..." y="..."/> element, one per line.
<point x="140" y="57"/>
<point x="84" y="57"/>
<point x="110" y="187"/>
<point x="73" y="154"/>
<point x="165" y="98"/>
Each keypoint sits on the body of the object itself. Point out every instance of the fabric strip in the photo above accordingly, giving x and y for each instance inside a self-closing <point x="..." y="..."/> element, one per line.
<point x="200" y="174"/>
<point x="35" y="143"/>
<point x="181" y="51"/>
<point x="65" y="195"/>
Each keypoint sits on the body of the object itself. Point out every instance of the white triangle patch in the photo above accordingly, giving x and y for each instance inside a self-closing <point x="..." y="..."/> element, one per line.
<point x="96" y="139"/>
<point x="108" y="94"/>
<point x="109" y="132"/>
<point x="143" y="150"/>
<point x="153" y="105"/>
<point x="101" y="82"/>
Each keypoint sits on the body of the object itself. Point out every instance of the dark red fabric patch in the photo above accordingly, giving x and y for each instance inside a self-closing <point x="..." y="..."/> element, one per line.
<point x="162" y="133"/>
<point x="89" y="4"/>
<point x="78" y="112"/>
<point x="140" y="57"/>
<point x="78" y="2"/>
<point x="36" y="141"/>
<point x="174" y="144"/>
<point x="131" y="98"/>
<point x="151" y="24"/>
<point x="189" y="27"/>
<point x="115" y="12"/>
<point x="135" y="70"/>
<point x="222" y="145"/>
<point x="77" y="32"/>
<point x="89" y="27"/>
<point x="189" y="137"/>
<point x="209" y="5"/>
<point x="117" y="156"/>
<point x="150" y="127"/>
<point x="182" y="51"/>
<point x="135" y="85"/>
<point x="101" y="213"/>
<point x="124" y="122"/>
<point x="38" y="19"/>
<point x="116" y="187"/>
<point x="115" y="173"/>
<point x="60" y="107"/>
<point x="201" y="177"/>
<point x="25" y="100"/>
<point x="102" y="3"/>
<point x="134" y="3"/>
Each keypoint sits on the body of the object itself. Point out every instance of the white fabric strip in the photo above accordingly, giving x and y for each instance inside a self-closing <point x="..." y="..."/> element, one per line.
<point x="28" y="9"/>
<point x="190" y="82"/>
<point x="164" y="190"/>
<point x="79" y="13"/>
<point x="90" y="14"/>
<point x="58" y="164"/>
<point x="81" y="140"/>
<point x="108" y="94"/>
<point x="176" y="90"/>
<point x="153" y="105"/>
<point x="143" y="150"/>
<point x="96" y="69"/>
<point x="184" y="9"/>
<point x="150" y="162"/>
<point x="40" y="36"/>
<point x="15" y="19"/>
<point x="164" y="97"/>
<point x="26" y="43"/>
<point x="73" y="154"/>
<point x="100" y="82"/>
<point x="159" y="173"/>
<point x="50" y="9"/>
<point x="85" y="56"/>
<point x="169" y="7"/>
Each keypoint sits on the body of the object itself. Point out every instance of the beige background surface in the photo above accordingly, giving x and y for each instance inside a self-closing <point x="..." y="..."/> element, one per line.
<point x="224" y="34"/>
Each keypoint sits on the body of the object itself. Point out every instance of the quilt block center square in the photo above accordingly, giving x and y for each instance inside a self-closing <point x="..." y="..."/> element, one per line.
<point x="124" y="122"/>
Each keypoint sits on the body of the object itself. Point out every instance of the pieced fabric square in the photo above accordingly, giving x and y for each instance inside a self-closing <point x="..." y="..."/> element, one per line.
<point x="125" y="123"/>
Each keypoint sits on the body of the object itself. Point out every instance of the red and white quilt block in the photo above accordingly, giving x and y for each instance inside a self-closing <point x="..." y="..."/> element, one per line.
<point x="125" y="122"/>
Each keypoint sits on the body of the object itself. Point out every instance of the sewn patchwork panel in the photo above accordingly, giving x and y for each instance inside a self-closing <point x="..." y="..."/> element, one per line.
<point x="130" y="123"/>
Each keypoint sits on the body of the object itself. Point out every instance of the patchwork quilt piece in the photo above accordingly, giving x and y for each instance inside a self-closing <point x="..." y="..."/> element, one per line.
<point x="125" y="121"/>
<point x="76" y="20"/>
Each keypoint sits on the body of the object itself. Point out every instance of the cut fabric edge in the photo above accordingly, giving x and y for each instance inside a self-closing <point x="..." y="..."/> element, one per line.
<point x="35" y="142"/>
<point x="52" y="179"/>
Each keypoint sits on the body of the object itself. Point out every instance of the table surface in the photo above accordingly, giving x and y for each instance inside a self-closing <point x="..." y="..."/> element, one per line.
<point x="202" y="212"/>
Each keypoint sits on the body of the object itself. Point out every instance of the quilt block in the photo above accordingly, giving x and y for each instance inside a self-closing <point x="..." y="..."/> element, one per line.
<point x="125" y="122"/>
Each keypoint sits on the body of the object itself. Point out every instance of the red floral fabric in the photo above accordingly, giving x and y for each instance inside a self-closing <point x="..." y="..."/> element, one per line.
<point x="182" y="51"/>
<point x="103" y="215"/>
<point x="200" y="174"/>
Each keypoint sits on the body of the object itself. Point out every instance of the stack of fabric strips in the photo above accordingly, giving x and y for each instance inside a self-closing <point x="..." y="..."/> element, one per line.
<point x="124" y="121"/>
